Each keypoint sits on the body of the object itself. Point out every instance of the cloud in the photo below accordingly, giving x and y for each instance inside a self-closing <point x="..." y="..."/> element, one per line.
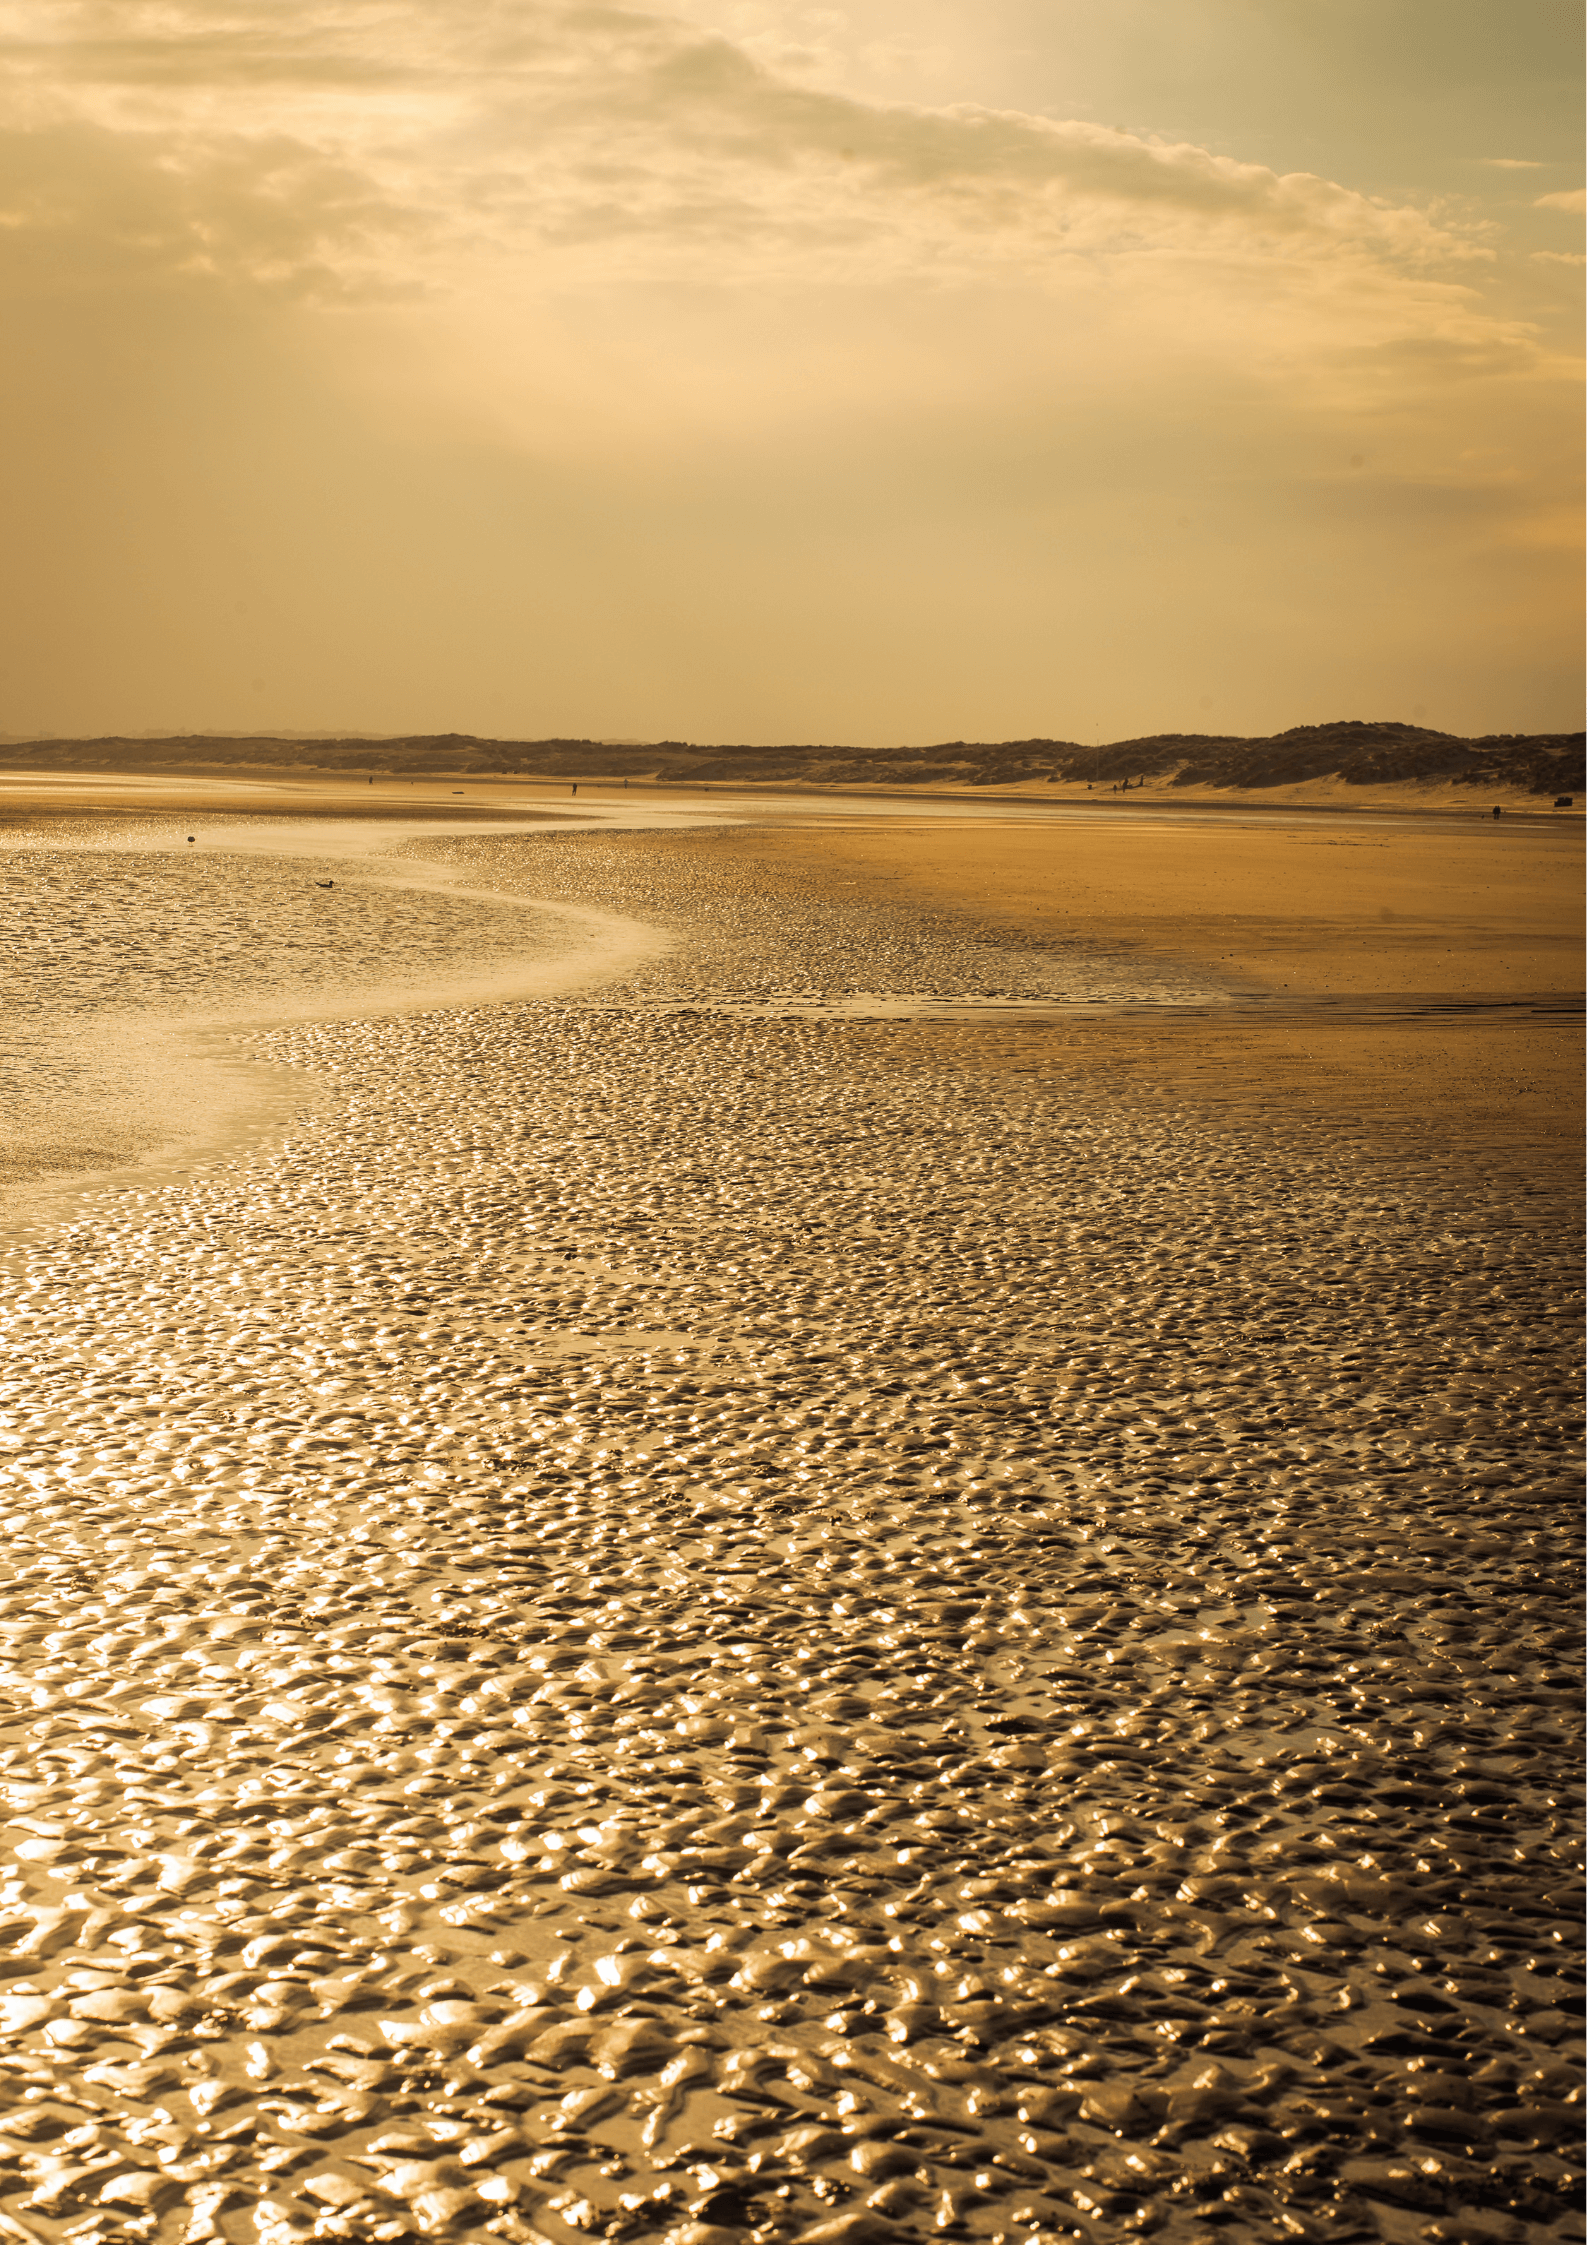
<point x="379" y="142"/>
<point x="85" y="207"/>
<point x="530" y="366"/>
<point x="1570" y="198"/>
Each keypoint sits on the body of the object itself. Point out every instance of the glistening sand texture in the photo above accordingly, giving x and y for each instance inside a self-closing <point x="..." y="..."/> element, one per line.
<point x="727" y="1626"/>
<point x="133" y="960"/>
<point x="750" y="940"/>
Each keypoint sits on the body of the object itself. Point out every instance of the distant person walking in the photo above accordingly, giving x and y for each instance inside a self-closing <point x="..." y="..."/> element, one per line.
<point x="574" y="790"/>
<point x="1498" y="810"/>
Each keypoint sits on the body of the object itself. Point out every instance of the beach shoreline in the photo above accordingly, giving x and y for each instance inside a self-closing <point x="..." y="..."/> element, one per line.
<point x="693" y="1612"/>
<point x="1407" y="976"/>
<point x="289" y="790"/>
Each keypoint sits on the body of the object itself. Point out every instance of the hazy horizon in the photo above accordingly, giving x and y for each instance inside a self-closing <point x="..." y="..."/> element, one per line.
<point x="756" y="371"/>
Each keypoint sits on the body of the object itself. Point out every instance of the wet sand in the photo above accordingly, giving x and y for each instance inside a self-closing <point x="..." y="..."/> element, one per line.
<point x="1317" y="908"/>
<point x="1400" y="975"/>
<point x="805" y="1597"/>
<point x="140" y="959"/>
<point x="26" y="797"/>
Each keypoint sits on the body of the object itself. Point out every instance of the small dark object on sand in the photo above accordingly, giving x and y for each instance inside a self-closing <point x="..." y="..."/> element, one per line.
<point x="325" y="884"/>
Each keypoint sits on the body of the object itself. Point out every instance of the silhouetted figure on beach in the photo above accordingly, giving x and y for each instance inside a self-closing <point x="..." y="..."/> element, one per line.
<point x="1498" y="810"/>
<point x="573" y="790"/>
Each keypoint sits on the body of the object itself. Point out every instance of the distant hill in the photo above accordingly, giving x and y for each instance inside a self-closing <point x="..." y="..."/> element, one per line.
<point x="1361" y="754"/>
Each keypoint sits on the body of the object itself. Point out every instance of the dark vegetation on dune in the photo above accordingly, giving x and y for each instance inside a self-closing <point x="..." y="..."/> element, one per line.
<point x="1364" y="755"/>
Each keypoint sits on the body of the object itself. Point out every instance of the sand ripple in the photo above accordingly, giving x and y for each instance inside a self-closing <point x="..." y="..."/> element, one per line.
<point x="667" y="1624"/>
<point x="126" y="967"/>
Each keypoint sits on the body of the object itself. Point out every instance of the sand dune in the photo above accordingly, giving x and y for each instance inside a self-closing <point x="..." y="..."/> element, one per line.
<point x="1347" y="764"/>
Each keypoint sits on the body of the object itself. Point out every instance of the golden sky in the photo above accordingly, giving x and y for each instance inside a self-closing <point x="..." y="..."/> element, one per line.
<point x="754" y="370"/>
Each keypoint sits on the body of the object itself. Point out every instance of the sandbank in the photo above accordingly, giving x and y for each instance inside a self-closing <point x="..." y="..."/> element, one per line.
<point x="1413" y="977"/>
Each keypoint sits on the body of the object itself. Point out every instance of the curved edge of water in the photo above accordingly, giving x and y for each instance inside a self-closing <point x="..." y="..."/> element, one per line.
<point x="249" y="1101"/>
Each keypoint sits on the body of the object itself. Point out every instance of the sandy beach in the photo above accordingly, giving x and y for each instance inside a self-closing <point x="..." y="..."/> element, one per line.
<point x="1410" y="974"/>
<point x="898" y="1563"/>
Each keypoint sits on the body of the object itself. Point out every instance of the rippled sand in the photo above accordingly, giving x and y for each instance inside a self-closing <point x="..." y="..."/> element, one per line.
<point x="708" y="1623"/>
<point x="135" y="958"/>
